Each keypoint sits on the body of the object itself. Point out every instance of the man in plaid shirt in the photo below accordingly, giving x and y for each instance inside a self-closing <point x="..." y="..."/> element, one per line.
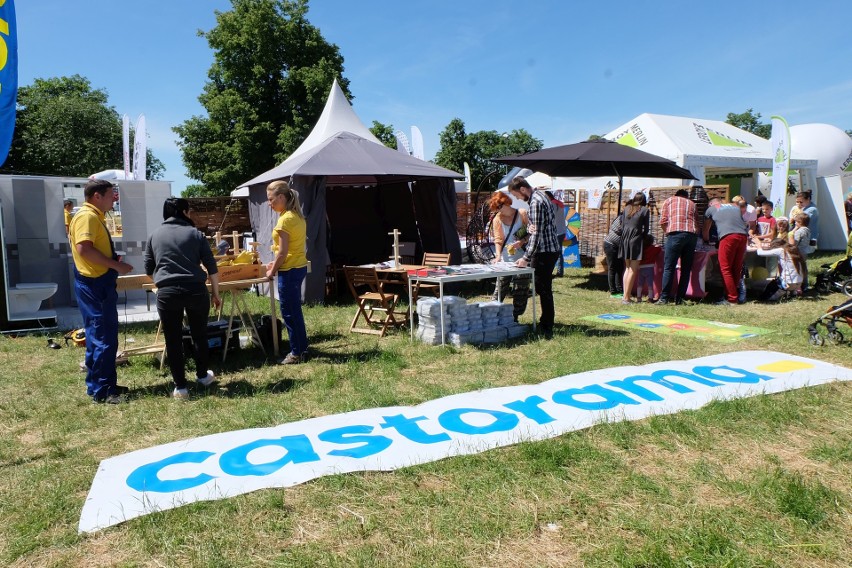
<point x="542" y="248"/>
<point x="677" y="219"/>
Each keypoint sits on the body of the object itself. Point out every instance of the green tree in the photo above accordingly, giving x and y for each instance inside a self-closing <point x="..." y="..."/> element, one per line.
<point x="478" y="149"/>
<point x="750" y="122"/>
<point x="384" y="132"/>
<point x="64" y="127"/>
<point x="267" y="86"/>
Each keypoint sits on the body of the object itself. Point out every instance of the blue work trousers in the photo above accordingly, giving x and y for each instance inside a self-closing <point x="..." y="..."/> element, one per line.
<point x="290" y="298"/>
<point x="98" y="299"/>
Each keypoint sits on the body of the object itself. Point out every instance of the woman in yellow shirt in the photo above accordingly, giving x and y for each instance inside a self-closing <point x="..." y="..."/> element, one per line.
<point x="290" y="265"/>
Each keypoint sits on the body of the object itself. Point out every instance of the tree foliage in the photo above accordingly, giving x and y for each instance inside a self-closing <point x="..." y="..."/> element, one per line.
<point x="271" y="73"/>
<point x="64" y="127"/>
<point x="750" y="122"/>
<point x="384" y="132"/>
<point x="478" y="149"/>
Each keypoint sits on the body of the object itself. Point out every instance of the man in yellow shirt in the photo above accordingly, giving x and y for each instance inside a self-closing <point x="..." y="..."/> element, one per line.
<point x="68" y="206"/>
<point x="96" y="268"/>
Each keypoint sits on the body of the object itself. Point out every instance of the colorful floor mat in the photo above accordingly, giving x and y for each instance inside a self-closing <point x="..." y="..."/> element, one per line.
<point x="699" y="329"/>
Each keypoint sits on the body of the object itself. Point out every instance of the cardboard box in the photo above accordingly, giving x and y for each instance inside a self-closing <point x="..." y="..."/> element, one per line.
<point x="241" y="272"/>
<point x="132" y="282"/>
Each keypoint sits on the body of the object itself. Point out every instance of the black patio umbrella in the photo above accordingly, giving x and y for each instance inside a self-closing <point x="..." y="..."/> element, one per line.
<point x="597" y="158"/>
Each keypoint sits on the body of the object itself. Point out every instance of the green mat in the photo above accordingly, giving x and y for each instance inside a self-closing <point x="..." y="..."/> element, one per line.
<point x="688" y="327"/>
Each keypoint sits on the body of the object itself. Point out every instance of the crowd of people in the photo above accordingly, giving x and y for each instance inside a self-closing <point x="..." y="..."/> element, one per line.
<point x="174" y="256"/>
<point x="530" y="237"/>
<point x="734" y="228"/>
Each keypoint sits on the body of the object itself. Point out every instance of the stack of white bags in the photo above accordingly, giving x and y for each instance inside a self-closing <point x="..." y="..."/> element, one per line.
<point x="485" y="322"/>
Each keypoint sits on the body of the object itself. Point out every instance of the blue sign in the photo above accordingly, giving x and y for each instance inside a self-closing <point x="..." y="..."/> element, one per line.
<point x="8" y="75"/>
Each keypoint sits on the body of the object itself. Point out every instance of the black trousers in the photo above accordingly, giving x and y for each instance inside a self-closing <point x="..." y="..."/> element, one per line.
<point x="172" y="303"/>
<point x="542" y="265"/>
<point x="614" y="268"/>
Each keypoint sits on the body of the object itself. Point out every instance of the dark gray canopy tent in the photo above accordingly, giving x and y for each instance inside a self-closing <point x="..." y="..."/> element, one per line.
<point x="354" y="192"/>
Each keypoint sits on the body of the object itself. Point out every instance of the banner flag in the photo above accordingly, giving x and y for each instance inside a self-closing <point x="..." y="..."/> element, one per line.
<point x="8" y="75"/>
<point x="417" y="143"/>
<point x="780" y="144"/>
<point x="140" y="149"/>
<point x="226" y="464"/>
<point x="402" y="142"/>
<point x="125" y="141"/>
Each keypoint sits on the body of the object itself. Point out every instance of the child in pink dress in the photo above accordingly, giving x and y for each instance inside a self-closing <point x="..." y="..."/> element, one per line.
<point x="645" y="284"/>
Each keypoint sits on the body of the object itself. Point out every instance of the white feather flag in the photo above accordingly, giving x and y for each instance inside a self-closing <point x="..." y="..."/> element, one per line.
<point x="140" y="149"/>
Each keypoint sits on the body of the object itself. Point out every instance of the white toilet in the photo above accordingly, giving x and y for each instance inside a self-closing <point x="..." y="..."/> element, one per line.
<point x="27" y="298"/>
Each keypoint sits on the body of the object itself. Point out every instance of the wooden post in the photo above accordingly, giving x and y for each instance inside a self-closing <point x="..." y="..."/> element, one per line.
<point x="395" y="256"/>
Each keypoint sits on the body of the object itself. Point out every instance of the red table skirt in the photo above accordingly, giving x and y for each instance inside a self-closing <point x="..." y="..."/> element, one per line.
<point x="696" y="287"/>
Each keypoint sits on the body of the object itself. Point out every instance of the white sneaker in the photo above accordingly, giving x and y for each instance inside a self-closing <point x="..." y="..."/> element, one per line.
<point x="206" y="381"/>
<point x="180" y="394"/>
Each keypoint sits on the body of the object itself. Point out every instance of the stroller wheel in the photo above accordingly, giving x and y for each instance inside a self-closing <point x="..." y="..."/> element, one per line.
<point x="816" y="339"/>
<point x="835" y="337"/>
<point x="846" y="288"/>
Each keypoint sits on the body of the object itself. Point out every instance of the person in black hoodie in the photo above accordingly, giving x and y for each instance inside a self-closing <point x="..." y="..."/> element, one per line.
<point x="173" y="258"/>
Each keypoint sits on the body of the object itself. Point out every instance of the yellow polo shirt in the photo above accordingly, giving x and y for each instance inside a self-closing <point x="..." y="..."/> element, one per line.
<point x="296" y="229"/>
<point x="88" y="224"/>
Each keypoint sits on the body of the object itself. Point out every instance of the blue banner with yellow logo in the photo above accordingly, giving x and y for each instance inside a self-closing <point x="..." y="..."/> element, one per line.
<point x="8" y="75"/>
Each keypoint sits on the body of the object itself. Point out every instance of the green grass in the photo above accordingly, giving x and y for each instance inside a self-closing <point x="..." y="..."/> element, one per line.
<point x="763" y="481"/>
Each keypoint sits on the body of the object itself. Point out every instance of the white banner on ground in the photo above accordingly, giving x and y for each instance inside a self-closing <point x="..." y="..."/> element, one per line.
<point x="780" y="144"/>
<point x="384" y="439"/>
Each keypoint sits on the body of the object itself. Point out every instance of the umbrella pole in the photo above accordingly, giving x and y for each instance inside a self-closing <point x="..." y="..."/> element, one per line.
<point x="620" y="179"/>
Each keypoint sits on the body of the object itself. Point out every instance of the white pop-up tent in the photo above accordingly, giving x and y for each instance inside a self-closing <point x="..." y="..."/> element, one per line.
<point x="706" y="146"/>
<point x="716" y="148"/>
<point x="699" y="145"/>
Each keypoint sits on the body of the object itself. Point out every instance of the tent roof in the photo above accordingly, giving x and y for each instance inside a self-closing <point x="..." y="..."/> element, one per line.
<point x="342" y="148"/>
<point x="348" y="158"/>
<point x="699" y="142"/>
<point x="337" y="116"/>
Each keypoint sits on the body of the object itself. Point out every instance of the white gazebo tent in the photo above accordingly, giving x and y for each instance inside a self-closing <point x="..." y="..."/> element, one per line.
<point x="705" y="147"/>
<point x="354" y="190"/>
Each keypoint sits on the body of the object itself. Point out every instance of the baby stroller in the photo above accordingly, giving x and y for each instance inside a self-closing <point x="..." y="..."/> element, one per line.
<point x="843" y="312"/>
<point x="836" y="277"/>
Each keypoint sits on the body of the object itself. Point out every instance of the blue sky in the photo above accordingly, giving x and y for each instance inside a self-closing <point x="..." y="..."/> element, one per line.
<point x="560" y="69"/>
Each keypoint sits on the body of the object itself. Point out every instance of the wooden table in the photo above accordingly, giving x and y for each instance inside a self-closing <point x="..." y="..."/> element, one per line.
<point x="238" y="308"/>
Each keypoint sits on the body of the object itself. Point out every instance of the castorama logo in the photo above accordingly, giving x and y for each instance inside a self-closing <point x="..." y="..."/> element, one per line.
<point x="233" y="463"/>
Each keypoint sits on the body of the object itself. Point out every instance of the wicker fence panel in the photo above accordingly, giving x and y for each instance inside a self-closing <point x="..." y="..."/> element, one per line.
<point x="596" y="222"/>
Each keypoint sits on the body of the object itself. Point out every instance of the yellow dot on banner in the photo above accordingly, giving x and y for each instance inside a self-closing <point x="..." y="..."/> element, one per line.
<point x="727" y="333"/>
<point x="784" y="366"/>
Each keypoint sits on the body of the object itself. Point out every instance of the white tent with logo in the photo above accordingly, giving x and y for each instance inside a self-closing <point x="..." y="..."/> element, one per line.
<point x="712" y="147"/>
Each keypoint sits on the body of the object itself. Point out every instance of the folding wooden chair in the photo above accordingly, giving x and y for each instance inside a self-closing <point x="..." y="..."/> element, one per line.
<point x="370" y="296"/>
<point x="430" y="259"/>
